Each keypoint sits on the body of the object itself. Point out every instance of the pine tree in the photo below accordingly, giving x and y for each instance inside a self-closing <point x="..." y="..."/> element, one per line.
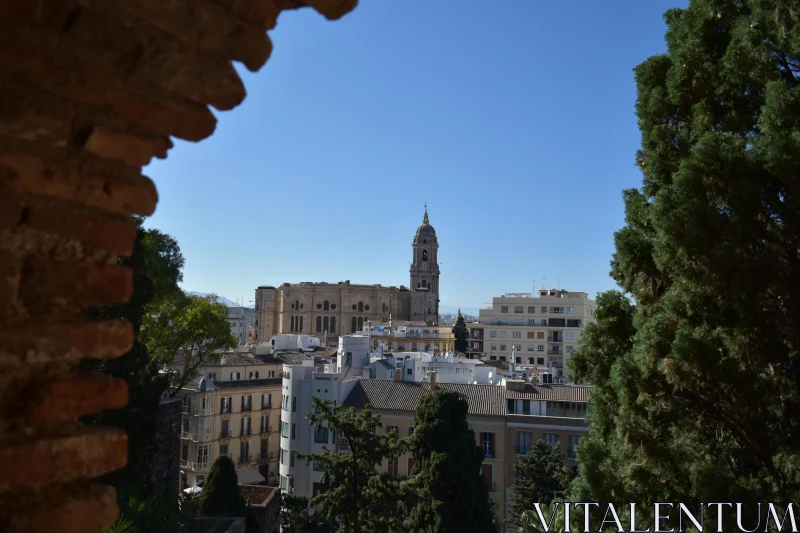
<point x="221" y="495"/>
<point x="451" y="493"/>
<point x="460" y="332"/>
<point x="697" y="387"/>
<point x="541" y="477"/>
<point x="359" y="497"/>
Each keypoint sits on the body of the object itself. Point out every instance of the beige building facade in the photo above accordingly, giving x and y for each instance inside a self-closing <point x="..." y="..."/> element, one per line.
<point x="410" y="336"/>
<point x="231" y="408"/>
<point x="539" y="331"/>
<point x="333" y="309"/>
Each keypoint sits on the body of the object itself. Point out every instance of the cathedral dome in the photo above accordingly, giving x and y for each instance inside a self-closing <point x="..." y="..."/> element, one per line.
<point x="425" y="232"/>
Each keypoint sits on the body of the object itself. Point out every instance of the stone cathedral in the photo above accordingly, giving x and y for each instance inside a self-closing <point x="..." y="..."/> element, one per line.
<point x="319" y="308"/>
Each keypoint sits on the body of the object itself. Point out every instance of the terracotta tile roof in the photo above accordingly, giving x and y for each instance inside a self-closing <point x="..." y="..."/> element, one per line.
<point x="390" y="395"/>
<point x="257" y="494"/>
<point x="557" y="393"/>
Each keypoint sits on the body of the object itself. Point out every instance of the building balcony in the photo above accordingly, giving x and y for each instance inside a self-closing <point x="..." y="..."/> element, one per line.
<point x="187" y="435"/>
<point x="245" y="459"/>
<point x="194" y="466"/>
<point x="266" y="405"/>
<point x="246" y="432"/>
<point x="247" y="408"/>
<point x="476" y="336"/>
<point x="555" y="338"/>
<point x="226" y="411"/>
<point x="266" y="429"/>
<point x="186" y="409"/>
<point x="225" y="434"/>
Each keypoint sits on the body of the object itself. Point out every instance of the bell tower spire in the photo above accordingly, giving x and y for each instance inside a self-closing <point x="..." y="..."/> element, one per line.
<point x="424" y="273"/>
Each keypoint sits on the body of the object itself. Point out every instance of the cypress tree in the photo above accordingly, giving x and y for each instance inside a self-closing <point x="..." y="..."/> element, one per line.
<point x="541" y="477"/>
<point x="460" y="332"/>
<point x="221" y="494"/>
<point x="697" y="387"/>
<point x="451" y="493"/>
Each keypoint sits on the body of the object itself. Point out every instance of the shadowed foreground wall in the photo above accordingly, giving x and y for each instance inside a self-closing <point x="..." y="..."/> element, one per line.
<point x="91" y="91"/>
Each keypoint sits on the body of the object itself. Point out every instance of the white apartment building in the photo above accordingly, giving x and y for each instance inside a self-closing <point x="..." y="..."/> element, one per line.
<point x="240" y="327"/>
<point x="540" y="331"/>
<point x="418" y="366"/>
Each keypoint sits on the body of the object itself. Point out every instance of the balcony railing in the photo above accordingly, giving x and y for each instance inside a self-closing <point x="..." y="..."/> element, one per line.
<point x="187" y="435"/>
<point x="266" y="405"/>
<point x="225" y="434"/>
<point x="186" y="409"/>
<point x="194" y="465"/>
<point x="203" y="411"/>
<point x="555" y="338"/>
<point x="344" y="446"/>
<point x="247" y="407"/>
<point x="246" y="432"/>
<point x="266" y="429"/>
<point x="245" y="459"/>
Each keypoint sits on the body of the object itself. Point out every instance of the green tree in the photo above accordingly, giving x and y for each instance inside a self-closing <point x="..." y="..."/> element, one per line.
<point x="296" y="518"/>
<point x="451" y="493"/>
<point x="697" y="392"/>
<point x="460" y="332"/>
<point x="541" y="477"/>
<point x="188" y="332"/>
<point x="357" y="496"/>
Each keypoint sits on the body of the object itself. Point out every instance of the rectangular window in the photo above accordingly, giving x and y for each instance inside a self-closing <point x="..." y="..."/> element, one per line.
<point x="410" y="430"/>
<point x="570" y="310"/>
<point x="396" y="429"/>
<point x="531" y="348"/>
<point x="517" y="347"/>
<point x="544" y="309"/>
<point x="283" y="456"/>
<point x="394" y="467"/>
<point x="410" y="371"/>
<point x="264" y="423"/>
<point x="504" y="309"/>
<point x="294" y="431"/>
<point x="493" y="346"/>
<point x="285" y="429"/>
<point x="574" y="440"/>
<point x="223" y="449"/>
<point x="266" y="401"/>
<point x="569" y="336"/>
<point x="531" y="309"/>
<point x="531" y="321"/>
<point x="226" y="405"/>
<point x="493" y="334"/>
<point x="516" y="334"/>
<point x="488" y="444"/>
<point x="540" y="348"/>
<point x="569" y="348"/>
<point x="518" y="309"/>
<point x="321" y="435"/>
<point x="503" y="334"/>
<point x="523" y="442"/>
<point x="317" y="468"/>
<point x="544" y="322"/>
<point x="531" y="335"/>
<point x="502" y="347"/>
<point x="291" y="459"/>
<point x="540" y="334"/>
<point x="294" y="404"/>
<point x="550" y="438"/>
<point x="540" y="360"/>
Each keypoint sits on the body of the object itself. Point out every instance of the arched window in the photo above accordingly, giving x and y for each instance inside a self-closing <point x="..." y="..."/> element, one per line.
<point x="419" y="285"/>
<point x="424" y="255"/>
<point x="333" y="324"/>
<point x="319" y="324"/>
<point x="325" y="324"/>
<point x="360" y="323"/>
<point x="355" y="325"/>
<point x="291" y="325"/>
<point x="360" y="306"/>
<point x="300" y="329"/>
<point x="297" y="304"/>
<point x="424" y="284"/>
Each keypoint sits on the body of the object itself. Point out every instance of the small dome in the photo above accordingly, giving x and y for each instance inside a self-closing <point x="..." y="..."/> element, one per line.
<point x="201" y="386"/>
<point x="425" y="232"/>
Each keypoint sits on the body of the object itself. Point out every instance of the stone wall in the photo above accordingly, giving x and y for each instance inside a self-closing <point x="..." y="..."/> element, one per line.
<point x="91" y="91"/>
<point x="166" y="466"/>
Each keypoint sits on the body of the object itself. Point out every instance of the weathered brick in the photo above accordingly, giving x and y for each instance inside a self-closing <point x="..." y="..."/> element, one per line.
<point x="72" y="397"/>
<point x="114" y="191"/>
<point x="84" y="452"/>
<point x="147" y="104"/>
<point x="89" y="283"/>
<point x="91" y="509"/>
<point x="34" y="344"/>
<point x="132" y="151"/>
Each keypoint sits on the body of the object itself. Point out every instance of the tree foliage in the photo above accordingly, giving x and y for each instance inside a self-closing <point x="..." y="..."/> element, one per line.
<point x="697" y="391"/>
<point x="187" y="331"/>
<point x="541" y="477"/>
<point x="460" y="332"/>
<point x="359" y="497"/>
<point x="451" y="494"/>
<point x="222" y="496"/>
<point x="296" y="518"/>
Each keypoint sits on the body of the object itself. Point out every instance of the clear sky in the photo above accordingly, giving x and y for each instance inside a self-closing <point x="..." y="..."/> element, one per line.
<point x="514" y="120"/>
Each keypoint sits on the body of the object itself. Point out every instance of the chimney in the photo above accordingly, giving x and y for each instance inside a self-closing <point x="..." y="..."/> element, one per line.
<point x="432" y="382"/>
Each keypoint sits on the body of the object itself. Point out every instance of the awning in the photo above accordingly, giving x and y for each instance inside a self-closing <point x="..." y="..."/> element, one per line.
<point x="249" y="475"/>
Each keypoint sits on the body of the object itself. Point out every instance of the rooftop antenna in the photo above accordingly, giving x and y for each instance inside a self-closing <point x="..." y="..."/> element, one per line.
<point x="559" y="282"/>
<point x="544" y="284"/>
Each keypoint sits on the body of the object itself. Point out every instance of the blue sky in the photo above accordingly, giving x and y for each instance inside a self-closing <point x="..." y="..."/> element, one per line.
<point x="513" y="120"/>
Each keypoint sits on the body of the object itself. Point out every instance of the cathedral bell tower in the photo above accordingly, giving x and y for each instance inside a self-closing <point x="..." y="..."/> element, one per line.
<point x="424" y="274"/>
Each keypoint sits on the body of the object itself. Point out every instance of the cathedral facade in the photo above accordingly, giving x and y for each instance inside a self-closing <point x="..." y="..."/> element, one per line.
<point x="319" y="308"/>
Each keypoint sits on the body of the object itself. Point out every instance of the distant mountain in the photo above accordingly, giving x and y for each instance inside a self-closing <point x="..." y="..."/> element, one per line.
<point x="226" y="301"/>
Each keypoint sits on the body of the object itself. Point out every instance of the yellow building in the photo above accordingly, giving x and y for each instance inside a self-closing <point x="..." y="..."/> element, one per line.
<point x="233" y="408"/>
<point x="506" y="421"/>
<point x="406" y="336"/>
